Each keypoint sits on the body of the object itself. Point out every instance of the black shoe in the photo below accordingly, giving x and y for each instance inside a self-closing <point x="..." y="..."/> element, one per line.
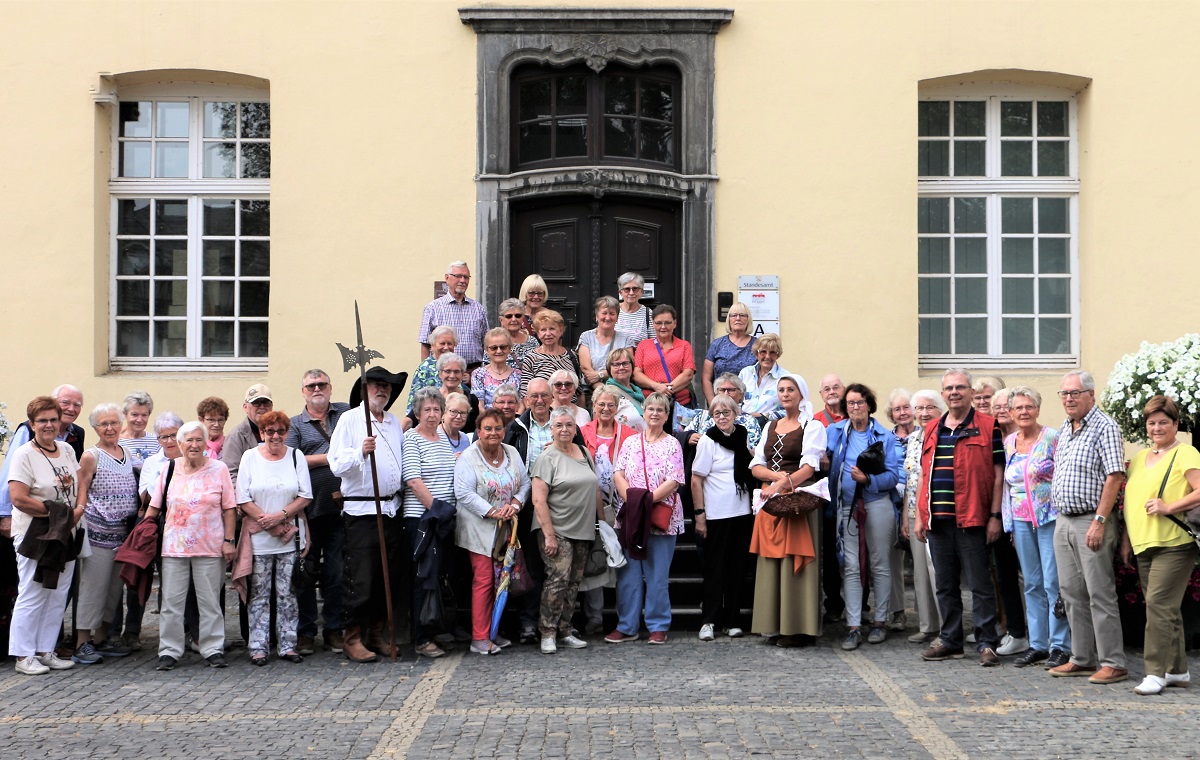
<point x="216" y="660"/>
<point x="831" y="617"/>
<point x="166" y="662"/>
<point x="1029" y="657"/>
<point x="530" y="636"/>
<point x="1057" y="657"/>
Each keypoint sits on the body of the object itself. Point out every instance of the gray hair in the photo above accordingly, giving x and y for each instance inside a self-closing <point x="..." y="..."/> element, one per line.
<point x="428" y="393"/>
<point x="1027" y="392"/>
<point x="607" y="302"/>
<point x="138" y="398"/>
<point x="166" y="421"/>
<point x="895" y="396"/>
<point x="102" y="409"/>
<point x="564" y="374"/>
<point x="722" y="401"/>
<point x="629" y="277"/>
<point x="441" y="330"/>
<point x="316" y="372"/>
<point x="455" y="397"/>
<point x="955" y="371"/>
<point x="661" y="399"/>
<point x="456" y="265"/>
<point x="730" y="379"/>
<point x="64" y="387"/>
<point x="562" y="411"/>
<point x="450" y="358"/>
<point x="1086" y="381"/>
<point x="507" y="390"/>
<point x="605" y="391"/>
<point x="509" y="304"/>
<point x="188" y="427"/>
<point x="931" y="396"/>
<point x="989" y="381"/>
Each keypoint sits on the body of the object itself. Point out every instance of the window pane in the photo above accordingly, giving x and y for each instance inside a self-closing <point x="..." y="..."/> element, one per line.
<point x="1016" y="119"/>
<point x="172" y="120"/>
<point x="218" y="298"/>
<point x="218" y="217"/>
<point x="217" y="339"/>
<point x="256" y="160"/>
<point x="170" y="258"/>
<point x="256" y="218"/>
<point x="933" y="158"/>
<point x="133" y="258"/>
<point x="658" y="142"/>
<point x="619" y="138"/>
<point x="933" y="215"/>
<point x="934" y="335"/>
<point x="133" y="118"/>
<point x="1053" y="336"/>
<point x="256" y="120"/>
<point x="657" y="102"/>
<point x="1016" y="256"/>
<point x="534" y="99"/>
<point x="970" y="336"/>
<point x="133" y="338"/>
<point x="1052" y="158"/>
<point x="1054" y="295"/>
<point x="933" y="118"/>
<point x="1017" y="296"/>
<point x="170" y="217"/>
<point x="253" y="339"/>
<point x="969" y="158"/>
<point x="134" y="159"/>
<point x="534" y="142"/>
<point x="133" y="216"/>
<point x="220" y="159"/>
<point x="133" y="298"/>
<point x="255" y="297"/>
<point x="970" y="295"/>
<point x="170" y="338"/>
<point x="572" y="95"/>
<point x="256" y="258"/>
<point x="1018" y="336"/>
<point x="170" y="298"/>
<point x="1051" y="119"/>
<point x="933" y="255"/>
<point x="933" y="295"/>
<point x="1016" y="215"/>
<point x="969" y="118"/>
<point x="970" y="215"/>
<point x="619" y="95"/>
<point x="220" y="119"/>
<point x="1016" y="158"/>
<point x="1052" y="215"/>
<point x="970" y="255"/>
<point x="218" y="258"/>
<point x="570" y="138"/>
<point x="171" y="159"/>
<point x="1052" y="256"/>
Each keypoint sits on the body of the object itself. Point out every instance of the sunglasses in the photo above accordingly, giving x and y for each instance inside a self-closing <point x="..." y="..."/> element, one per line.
<point x="316" y="386"/>
<point x="271" y="433"/>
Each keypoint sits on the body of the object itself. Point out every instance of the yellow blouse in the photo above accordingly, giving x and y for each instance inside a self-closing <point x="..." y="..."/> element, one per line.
<point x="1148" y="531"/>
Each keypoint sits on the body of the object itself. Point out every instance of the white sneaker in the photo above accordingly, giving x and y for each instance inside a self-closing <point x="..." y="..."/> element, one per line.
<point x="706" y="632"/>
<point x="1178" y="679"/>
<point x="735" y="633"/>
<point x="1150" y="685"/>
<point x="31" y="666"/>
<point x="573" y="642"/>
<point x="548" y="645"/>
<point x="970" y="638"/>
<point x="54" y="662"/>
<point x="1010" y="645"/>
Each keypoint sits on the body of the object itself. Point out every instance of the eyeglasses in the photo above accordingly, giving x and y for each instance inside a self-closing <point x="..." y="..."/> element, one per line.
<point x="497" y="348"/>
<point x="1023" y="408"/>
<point x="457" y="412"/>
<point x="535" y="292"/>
<point x="727" y="390"/>
<point x="1071" y="394"/>
<point x="458" y="276"/>
<point x="631" y="289"/>
<point x="721" y="413"/>
<point x="273" y="432"/>
<point x="564" y="384"/>
<point x="621" y="364"/>
<point x="70" y="404"/>
<point x="952" y="388"/>
<point x="167" y="437"/>
<point x="857" y="403"/>
<point x="110" y="424"/>
<point x="316" y="386"/>
<point x="512" y="316"/>
<point x="214" y="420"/>
<point x="924" y="408"/>
<point x="448" y="371"/>
<point x="46" y="421"/>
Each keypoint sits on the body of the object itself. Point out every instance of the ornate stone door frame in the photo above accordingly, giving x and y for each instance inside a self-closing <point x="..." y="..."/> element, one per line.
<point x="683" y="37"/>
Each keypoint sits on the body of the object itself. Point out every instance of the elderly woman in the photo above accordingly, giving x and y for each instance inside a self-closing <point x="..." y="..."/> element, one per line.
<point x="533" y="294"/>
<point x="552" y="355"/>
<point x="108" y="492"/>
<point x="725" y="385"/>
<point x="497" y="346"/>
<point x="927" y="406"/>
<point x="620" y="382"/>
<point x="594" y="345"/>
<point x="653" y="461"/>
<point x="567" y="504"/>
<point x="721" y="487"/>
<point x="634" y="318"/>
<point x="428" y="475"/>
<point x="490" y="485"/>
<point x="459" y="410"/>
<point x="134" y="438"/>
<point x="1001" y="410"/>
<point x="664" y="363"/>
<point x="563" y="385"/>
<point x="214" y="413"/>
<point x="273" y="490"/>
<point x="507" y="401"/>
<point x="730" y="353"/>
<point x="197" y="543"/>
<point x="452" y="369"/>
<point x="761" y="378"/>
<point x="1029" y="516"/>
<point x="42" y="477"/>
<point x="512" y="319"/>
<point x="1157" y="498"/>
<point x="900" y="413"/>
<point x="442" y="340"/>
<point x="787" y="587"/>
<point x="865" y="509"/>
<point x="985" y="389"/>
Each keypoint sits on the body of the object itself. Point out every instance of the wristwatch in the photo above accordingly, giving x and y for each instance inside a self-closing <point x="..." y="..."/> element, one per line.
<point x="1100" y="519"/>
<point x="997" y="516"/>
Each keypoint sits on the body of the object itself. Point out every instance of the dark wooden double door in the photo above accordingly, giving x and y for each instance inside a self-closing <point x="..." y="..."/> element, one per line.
<point x="580" y="245"/>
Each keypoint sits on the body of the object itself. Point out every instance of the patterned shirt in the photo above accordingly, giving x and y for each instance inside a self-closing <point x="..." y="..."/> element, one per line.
<point x="539" y="436"/>
<point x="1083" y="460"/>
<point x="649" y="465"/>
<point x="941" y="480"/>
<point x="703" y="422"/>
<point x="194" y="525"/>
<point x="468" y="318"/>
<point x="484" y="384"/>
<point x="425" y="376"/>
<point x="635" y="323"/>
<point x="112" y="499"/>
<point x="140" y="449"/>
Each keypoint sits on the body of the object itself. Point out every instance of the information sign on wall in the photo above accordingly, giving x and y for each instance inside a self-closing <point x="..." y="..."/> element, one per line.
<point x="760" y="293"/>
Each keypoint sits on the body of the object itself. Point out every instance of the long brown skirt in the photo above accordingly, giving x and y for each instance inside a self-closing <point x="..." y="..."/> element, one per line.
<point x="786" y="602"/>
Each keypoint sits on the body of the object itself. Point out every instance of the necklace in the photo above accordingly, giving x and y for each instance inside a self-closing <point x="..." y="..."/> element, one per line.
<point x="1156" y="452"/>
<point x="52" y="450"/>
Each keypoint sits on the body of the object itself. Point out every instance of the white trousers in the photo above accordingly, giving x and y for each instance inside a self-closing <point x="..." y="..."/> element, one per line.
<point x="38" y="614"/>
<point x="208" y="573"/>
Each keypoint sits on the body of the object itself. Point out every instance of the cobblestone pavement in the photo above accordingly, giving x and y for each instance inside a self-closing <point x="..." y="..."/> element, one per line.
<point x="726" y="699"/>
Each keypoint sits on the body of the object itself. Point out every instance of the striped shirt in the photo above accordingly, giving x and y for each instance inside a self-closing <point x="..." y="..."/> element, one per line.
<point x="941" y="480"/>
<point x="432" y="462"/>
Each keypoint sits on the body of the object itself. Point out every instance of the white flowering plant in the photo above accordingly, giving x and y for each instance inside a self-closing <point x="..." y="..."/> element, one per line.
<point x="1168" y="369"/>
<point x="5" y="430"/>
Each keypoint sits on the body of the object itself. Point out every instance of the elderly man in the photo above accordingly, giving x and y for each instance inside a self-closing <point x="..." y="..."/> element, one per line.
<point x="1088" y="470"/>
<point x="247" y="435"/>
<point x="310" y="434"/>
<point x="958" y="513"/>
<point x="832" y="390"/>
<point x="364" y="605"/>
<point x="466" y="315"/>
<point x="70" y="403"/>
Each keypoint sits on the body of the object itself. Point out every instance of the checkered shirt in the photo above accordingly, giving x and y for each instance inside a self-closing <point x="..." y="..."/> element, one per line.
<point x="1083" y="460"/>
<point x="468" y="318"/>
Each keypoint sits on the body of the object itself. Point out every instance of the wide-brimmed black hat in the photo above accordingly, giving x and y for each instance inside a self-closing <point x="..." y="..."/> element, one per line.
<point x="379" y="374"/>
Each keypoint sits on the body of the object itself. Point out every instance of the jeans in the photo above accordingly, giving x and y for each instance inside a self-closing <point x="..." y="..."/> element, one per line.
<point x="1089" y="591"/>
<point x="831" y="572"/>
<point x="327" y="535"/>
<point x="643" y="582"/>
<point x="1035" y="548"/>
<point x="363" y="579"/>
<point x="957" y="552"/>
<point x="881" y="536"/>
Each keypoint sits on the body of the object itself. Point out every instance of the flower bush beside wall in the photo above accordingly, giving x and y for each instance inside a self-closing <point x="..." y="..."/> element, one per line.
<point x="5" y="430"/>
<point x="1172" y="369"/>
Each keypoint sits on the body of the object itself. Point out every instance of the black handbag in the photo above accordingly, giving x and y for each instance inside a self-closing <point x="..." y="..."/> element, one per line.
<point x="872" y="460"/>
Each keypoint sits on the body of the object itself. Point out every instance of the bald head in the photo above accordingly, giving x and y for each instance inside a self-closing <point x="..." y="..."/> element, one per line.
<point x="832" y="390"/>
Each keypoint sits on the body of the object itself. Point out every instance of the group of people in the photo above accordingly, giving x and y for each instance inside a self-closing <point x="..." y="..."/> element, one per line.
<point x="508" y="431"/>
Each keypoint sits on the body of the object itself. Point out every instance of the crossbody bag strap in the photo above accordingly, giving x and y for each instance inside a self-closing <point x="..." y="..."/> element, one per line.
<point x="1162" y="488"/>
<point x="167" y="486"/>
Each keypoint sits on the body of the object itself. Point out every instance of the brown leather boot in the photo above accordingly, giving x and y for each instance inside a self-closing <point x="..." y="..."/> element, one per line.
<point x="378" y="640"/>
<point x="353" y="647"/>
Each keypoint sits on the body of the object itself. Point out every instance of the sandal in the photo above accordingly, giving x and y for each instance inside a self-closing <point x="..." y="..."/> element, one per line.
<point x="258" y="658"/>
<point x="292" y="657"/>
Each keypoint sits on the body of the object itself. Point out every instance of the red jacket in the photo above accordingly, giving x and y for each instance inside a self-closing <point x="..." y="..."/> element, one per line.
<point x="974" y="473"/>
<point x="137" y="557"/>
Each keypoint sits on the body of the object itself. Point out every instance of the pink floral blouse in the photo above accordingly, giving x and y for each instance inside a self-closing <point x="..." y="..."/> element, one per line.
<point x="663" y="462"/>
<point x="193" y="524"/>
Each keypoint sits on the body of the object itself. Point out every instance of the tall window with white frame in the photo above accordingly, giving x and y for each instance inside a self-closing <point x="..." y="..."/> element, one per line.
<point x="191" y="242"/>
<point x="997" y="242"/>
